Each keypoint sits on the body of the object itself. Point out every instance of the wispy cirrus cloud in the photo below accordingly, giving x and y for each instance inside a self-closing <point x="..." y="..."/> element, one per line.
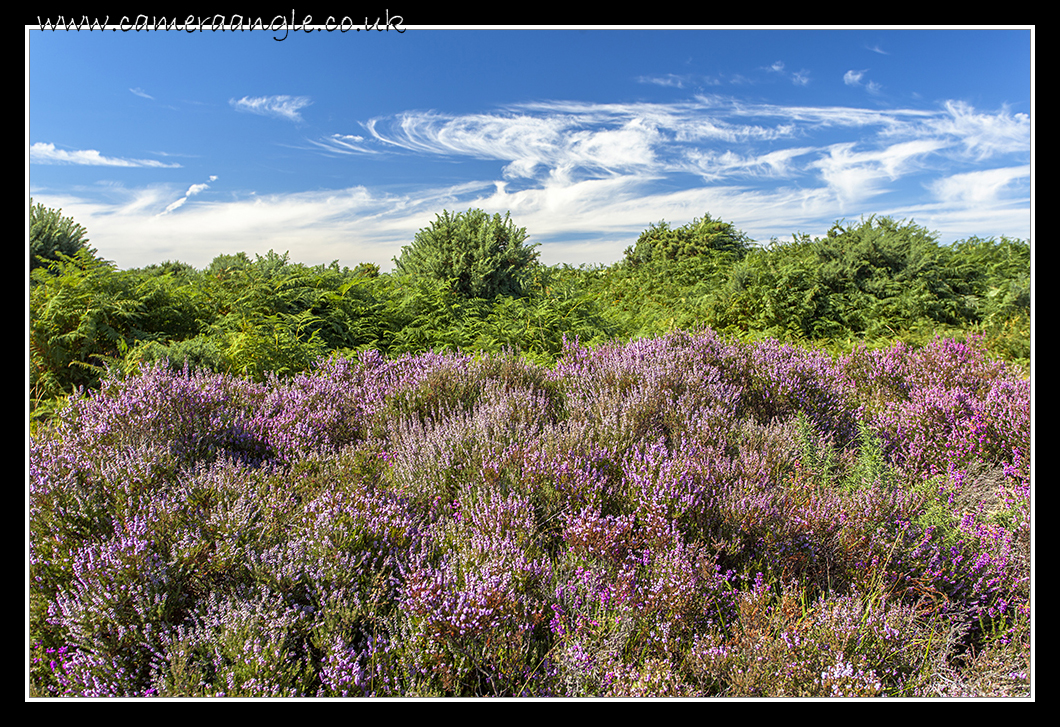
<point x="712" y="137"/>
<point x="192" y="190"/>
<point x="982" y="187"/>
<point x="574" y="140"/>
<point x="676" y="80"/>
<point x="565" y="154"/>
<point x="985" y="135"/>
<point x="856" y="175"/>
<point x="728" y="164"/>
<point x="283" y="107"/>
<point x="668" y="79"/>
<point x="344" y="144"/>
<point x="44" y="153"/>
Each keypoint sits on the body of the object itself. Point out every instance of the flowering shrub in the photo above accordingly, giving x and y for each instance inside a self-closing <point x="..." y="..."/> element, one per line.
<point x="683" y="516"/>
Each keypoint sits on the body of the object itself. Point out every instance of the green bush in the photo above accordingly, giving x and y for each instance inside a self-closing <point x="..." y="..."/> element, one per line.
<point x="870" y="280"/>
<point x="702" y="237"/>
<point x="81" y="315"/>
<point x="477" y="255"/>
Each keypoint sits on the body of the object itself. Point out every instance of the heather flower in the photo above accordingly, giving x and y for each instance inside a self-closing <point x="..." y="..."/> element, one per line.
<point x="682" y="516"/>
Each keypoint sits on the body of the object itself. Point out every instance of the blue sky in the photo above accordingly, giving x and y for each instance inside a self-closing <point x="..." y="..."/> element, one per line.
<point x="338" y="146"/>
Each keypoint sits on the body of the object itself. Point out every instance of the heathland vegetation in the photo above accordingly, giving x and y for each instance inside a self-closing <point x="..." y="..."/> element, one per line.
<point x="710" y="469"/>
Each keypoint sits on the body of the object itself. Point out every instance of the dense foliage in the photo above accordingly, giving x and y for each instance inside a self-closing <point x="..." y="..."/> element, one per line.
<point x="701" y="238"/>
<point x="52" y="235"/>
<point x="478" y="256"/>
<point x="682" y="516"/>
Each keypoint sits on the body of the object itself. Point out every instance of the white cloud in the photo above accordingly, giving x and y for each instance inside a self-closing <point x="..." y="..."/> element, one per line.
<point x="985" y="135"/>
<point x="345" y="144"/>
<point x="574" y="141"/>
<point x="713" y="137"/>
<point x="812" y="118"/>
<point x="980" y="188"/>
<point x="678" y="81"/>
<point x="778" y="164"/>
<point x="192" y="190"/>
<point x="315" y="227"/>
<point x="855" y="176"/>
<point x="669" y="79"/>
<point x="853" y="78"/>
<point x="42" y="153"/>
<point x="284" y="107"/>
<point x="798" y="78"/>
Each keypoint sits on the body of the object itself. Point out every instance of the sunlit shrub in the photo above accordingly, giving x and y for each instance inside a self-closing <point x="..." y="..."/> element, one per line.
<point x="685" y="516"/>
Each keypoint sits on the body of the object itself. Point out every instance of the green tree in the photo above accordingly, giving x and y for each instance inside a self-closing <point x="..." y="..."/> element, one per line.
<point x="477" y="255"/>
<point x="51" y="234"/>
<point x="702" y="237"/>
